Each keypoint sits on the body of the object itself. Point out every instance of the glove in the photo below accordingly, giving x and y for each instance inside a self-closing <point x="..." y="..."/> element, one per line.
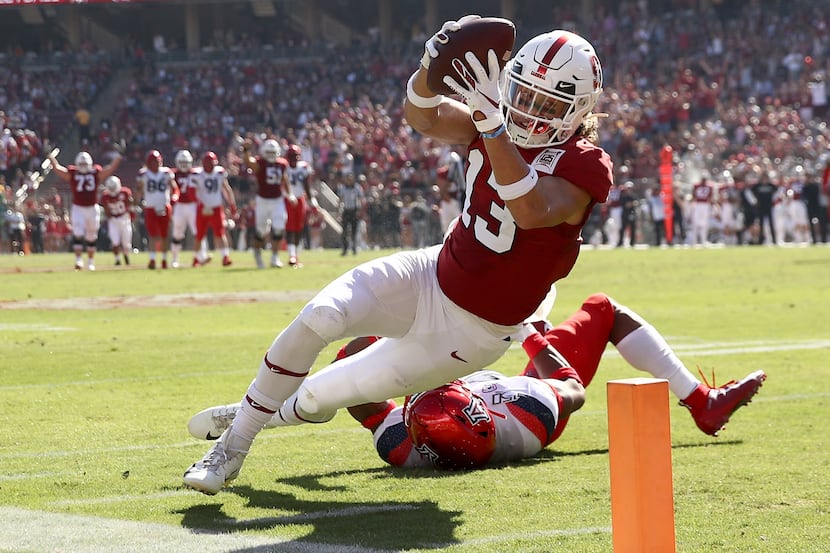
<point x="430" y="46"/>
<point x="480" y="91"/>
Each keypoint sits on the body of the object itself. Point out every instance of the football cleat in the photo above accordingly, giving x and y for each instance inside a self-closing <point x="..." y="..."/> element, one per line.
<point x="163" y="263"/>
<point x="220" y="465"/>
<point x="196" y="262"/>
<point x="117" y="261"/>
<point x="209" y="423"/>
<point x="79" y="266"/>
<point x="258" y="259"/>
<point x="151" y="264"/>
<point x="294" y="262"/>
<point x="91" y="266"/>
<point x="226" y="260"/>
<point x="723" y="401"/>
<point x="276" y="262"/>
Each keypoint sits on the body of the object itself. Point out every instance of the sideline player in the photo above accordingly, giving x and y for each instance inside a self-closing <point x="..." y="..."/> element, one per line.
<point x="299" y="179"/>
<point x="534" y="172"/>
<point x="271" y="215"/>
<point x="85" y="178"/>
<point x="156" y="190"/>
<point x="527" y="413"/>
<point x="117" y="201"/>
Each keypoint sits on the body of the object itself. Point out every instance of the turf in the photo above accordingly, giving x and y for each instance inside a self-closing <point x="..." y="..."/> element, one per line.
<point x="94" y="403"/>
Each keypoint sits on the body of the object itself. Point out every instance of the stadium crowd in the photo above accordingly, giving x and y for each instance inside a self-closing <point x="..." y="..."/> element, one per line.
<point x="690" y="78"/>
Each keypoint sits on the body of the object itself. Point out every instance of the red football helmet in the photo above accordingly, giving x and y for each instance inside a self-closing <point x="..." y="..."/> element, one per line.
<point x="451" y="426"/>
<point x="293" y="155"/>
<point x="209" y="161"/>
<point x="153" y="161"/>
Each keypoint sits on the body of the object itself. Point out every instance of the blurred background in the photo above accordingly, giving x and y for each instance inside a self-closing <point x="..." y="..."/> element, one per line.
<point x="736" y="90"/>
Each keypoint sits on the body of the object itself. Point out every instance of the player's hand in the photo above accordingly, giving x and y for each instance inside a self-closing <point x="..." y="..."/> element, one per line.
<point x="314" y="202"/>
<point x="207" y="211"/>
<point x="480" y="91"/>
<point x="292" y="199"/>
<point x="523" y="333"/>
<point x="441" y="37"/>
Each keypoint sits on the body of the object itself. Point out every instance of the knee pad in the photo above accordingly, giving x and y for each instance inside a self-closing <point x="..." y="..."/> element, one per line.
<point x="77" y="241"/>
<point x="325" y="321"/>
<point x="276" y="237"/>
<point x="177" y="241"/>
<point x="91" y="243"/>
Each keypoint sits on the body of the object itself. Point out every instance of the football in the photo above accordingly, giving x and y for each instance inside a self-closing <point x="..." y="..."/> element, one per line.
<point x="478" y="36"/>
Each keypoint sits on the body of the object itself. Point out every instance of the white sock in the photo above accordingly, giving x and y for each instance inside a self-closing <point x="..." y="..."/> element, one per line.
<point x="645" y="349"/>
<point x="292" y="250"/>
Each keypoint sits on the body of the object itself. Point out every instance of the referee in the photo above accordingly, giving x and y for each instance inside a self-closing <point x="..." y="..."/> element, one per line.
<point x="351" y="201"/>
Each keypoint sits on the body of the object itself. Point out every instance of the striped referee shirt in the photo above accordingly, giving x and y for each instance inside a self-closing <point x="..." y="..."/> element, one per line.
<point x="351" y="197"/>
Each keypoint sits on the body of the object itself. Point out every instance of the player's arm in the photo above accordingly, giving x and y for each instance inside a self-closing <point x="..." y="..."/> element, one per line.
<point x="433" y="114"/>
<point x="570" y="391"/>
<point x="448" y="121"/>
<point x="247" y="157"/>
<point x="139" y="189"/>
<point x="230" y="197"/>
<point x="285" y="185"/>
<point x="110" y="169"/>
<point x="175" y="191"/>
<point x="59" y="169"/>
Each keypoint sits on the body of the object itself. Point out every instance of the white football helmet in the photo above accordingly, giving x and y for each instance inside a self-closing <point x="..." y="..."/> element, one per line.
<point x="184" y="160"/>
<point x="551" y="84"/>
<point x="112" y="185"/>
<point x="271" y="150"/>
<point x="83" y="162"/>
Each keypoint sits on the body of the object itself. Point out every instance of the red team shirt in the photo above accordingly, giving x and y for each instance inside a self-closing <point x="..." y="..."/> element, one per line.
<point x="702" y="192"/>
<point x="499" y="272"/>
<point x="118" y="205"/>
<point x="187" y="186"/>
<point x="269" y="176"/>
<point x="84" y="186"/>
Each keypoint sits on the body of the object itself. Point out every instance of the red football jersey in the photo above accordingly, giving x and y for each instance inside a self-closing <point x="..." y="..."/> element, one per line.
<point x="187" y="186"/>
<point x="269" y="176"/>
<point x="494" y="269"/>
<point x="118" y="205"/>
<point x="84" y="186"/>
<point x="702" y="192"/>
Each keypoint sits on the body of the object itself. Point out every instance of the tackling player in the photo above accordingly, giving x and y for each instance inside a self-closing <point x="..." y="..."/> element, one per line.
<point x="84" y="178"/>
<point x="487" y="417"/>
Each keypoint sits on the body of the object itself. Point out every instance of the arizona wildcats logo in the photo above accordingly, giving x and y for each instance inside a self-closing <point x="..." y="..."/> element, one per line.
<point x="547" y="160"/>
<point x="476" y="412"/>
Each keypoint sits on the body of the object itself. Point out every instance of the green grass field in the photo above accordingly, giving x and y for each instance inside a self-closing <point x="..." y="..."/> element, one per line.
<point x="101" y="371"/>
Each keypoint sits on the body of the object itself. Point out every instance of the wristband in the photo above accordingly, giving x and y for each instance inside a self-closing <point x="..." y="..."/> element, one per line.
<point x="520" y="187"/>
<point x="497" y="132"/>
<point x="420" y="101"/>
<point x="533" y="344"/>
<point x="373" y="421"/>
